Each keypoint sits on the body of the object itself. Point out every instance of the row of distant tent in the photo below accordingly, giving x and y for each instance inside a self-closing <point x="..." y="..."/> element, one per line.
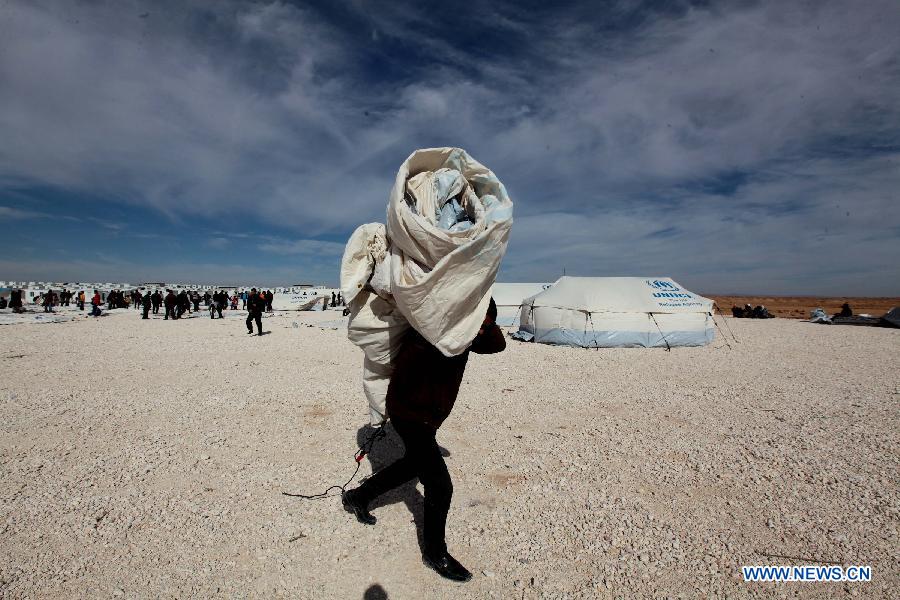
<point x="606" y="312"/>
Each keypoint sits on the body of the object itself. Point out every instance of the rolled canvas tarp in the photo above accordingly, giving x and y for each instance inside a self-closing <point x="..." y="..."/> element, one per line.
<point x="612" y="312"/>
<point x="431" y="267"/>
<point x="440" y="279"/>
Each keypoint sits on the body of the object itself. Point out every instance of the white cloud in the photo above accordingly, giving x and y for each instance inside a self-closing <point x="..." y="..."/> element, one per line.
<point x="109" y="269"/>
<point x="217" y="243"/>
<point x="308" y="247"/>
<point x="9" y="212"/>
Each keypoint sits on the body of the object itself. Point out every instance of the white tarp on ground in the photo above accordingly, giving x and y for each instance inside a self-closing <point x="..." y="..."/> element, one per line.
<point x="509" y="298"/>
<point x="431" y="267"/>
<point x="610" y="312"/>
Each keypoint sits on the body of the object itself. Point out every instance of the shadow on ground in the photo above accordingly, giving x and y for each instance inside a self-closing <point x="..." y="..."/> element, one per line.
<point x="385" y="451"/>
<point x="375" y="592"/>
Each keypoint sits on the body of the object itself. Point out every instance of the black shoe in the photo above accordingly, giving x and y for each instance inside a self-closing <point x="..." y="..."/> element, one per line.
<point x="352" y="503"/>
<point x="260" y="333"/>
<point x="446" y="566"/>
<point x="250" y="332"/>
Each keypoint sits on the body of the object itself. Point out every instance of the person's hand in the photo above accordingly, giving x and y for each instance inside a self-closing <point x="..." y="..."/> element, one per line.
<point x="485" y="324"/>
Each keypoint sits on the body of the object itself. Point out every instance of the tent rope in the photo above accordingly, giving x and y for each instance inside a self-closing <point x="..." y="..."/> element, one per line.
<point x="724" y="337"/>
<point x="533" y="321"/>
<point x="591" y="319"/>
<point x="724" y="320"/>
<point x="668" y="347"/>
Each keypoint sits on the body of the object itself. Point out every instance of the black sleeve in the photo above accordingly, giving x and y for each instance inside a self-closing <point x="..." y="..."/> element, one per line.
<point x="489" y="342"/>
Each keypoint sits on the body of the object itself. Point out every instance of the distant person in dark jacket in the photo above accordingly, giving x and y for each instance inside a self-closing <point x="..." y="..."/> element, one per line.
<point x="420" y="396"/>
<point x="256" y="303"/>
<point x="182" y="304"/>
<point x="845" y="311"/>
<point x="169" y="302"/>
<point x="48" y="301"/>
<point x="220" y="299"/>
<point x="15" y="301"/>
<point x="146" y="303"/>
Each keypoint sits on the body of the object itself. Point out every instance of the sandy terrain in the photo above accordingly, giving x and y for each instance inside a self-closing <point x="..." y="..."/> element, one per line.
<point x="147" y="459"/>
<point x="799" y="307"/>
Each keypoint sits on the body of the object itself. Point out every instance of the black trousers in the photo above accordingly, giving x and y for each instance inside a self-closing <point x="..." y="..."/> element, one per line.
<point x="170" y="311"/>
<point x="254" y="317"/>
<point x="146" y="311"/>
<point x="423" y="460"/>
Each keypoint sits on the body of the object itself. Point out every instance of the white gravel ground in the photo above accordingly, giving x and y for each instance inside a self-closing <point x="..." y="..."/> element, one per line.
<point x="147" y="459"/>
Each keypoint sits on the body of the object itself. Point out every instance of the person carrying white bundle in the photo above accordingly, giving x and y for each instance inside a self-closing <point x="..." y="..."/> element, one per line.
<point x="415" y="273"/>
<point x="418" y="294"/>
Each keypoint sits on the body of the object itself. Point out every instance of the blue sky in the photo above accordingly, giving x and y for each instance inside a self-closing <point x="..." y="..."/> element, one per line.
<point x="747" y="147"/>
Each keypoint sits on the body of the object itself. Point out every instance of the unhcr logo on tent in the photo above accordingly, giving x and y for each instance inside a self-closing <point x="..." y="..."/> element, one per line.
<point x="667" y="289"/>
<point x="658" y="284"/>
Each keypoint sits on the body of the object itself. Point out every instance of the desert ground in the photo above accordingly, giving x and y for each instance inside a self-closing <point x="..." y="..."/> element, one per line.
<point x="799" y="307"/>
<point x="148" y="459"/>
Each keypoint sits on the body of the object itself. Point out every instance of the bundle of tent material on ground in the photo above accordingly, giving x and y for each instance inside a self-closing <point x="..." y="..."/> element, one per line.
<point x="431" y="267"/>
<point x="890" y="318"/>
<point x="751" y="312"/>
<point x="617" y="312"/>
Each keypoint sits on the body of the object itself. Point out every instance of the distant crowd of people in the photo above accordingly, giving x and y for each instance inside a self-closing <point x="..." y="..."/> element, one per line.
<point x="47" y="300"/>
<point x="175" y="305"/>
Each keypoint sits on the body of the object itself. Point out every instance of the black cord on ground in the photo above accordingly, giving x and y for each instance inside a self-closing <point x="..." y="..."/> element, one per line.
<point x="358" y="456"/>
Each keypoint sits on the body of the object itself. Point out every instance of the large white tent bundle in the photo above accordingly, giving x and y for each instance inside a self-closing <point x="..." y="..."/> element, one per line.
<point x="617" y="312"/>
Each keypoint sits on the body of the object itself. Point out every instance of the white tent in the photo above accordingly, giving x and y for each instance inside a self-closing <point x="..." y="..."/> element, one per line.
<point x="509" y="297"/>
<point x="611" y="312"/>
<point x="308" y="299"/>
